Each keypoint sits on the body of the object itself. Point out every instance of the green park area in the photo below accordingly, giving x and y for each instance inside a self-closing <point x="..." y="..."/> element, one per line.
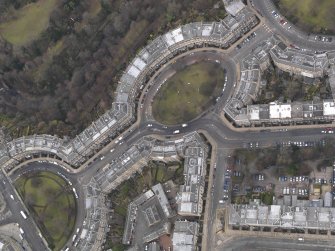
<point x="310" y="15"/>
<point x="188" y="93"/>
<point x="51" y="202"/>
<point x="28" y="22"/>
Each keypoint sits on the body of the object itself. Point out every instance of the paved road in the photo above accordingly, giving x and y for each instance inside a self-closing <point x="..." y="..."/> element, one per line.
<point x="275" y="244"/>
<point x="15" y="206"/>
<point x="295" y="36"/>
<point x="210" y="121"/>
<point x="217" y="194"/>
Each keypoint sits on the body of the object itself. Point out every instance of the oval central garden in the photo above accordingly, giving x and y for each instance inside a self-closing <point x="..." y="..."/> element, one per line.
<point x="51" y="202"/>
<point x="189" y="92"/>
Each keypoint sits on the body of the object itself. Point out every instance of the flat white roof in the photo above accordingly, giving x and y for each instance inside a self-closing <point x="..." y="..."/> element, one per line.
<point x="206" y="31"/>
<point x="328" y="108"/>
<point x="182" y="239"/>
<point x="183" y="248"/>
<point x="174" y="36"/>
<point x="253" y="113"/>
<point x="139" y="63"/>
<point x="186" y="207"/>
<point x="251" y="214"/>
<point x="185" y="197"/>
<point x="234" y="7"/>
<point x="280" y="111"/>
<point x="133" y="71"/>
<point x="178" y="35"/>
<point x="274" y="212"/>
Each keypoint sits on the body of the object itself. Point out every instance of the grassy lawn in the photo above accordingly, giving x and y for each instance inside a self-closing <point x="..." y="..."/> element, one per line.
<point x="52" y="204"/>
<point x="28" y="23"/>
<point x="188" y="93"/>
<point x="310" y="15"/>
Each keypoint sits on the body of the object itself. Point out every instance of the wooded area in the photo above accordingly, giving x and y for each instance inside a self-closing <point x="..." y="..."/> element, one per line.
<point x="65" y="79"/>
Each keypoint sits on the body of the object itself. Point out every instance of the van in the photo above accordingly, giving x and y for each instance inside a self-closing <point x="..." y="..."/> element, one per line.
<point x="23" y="215"/>
<point x="75" y="193"/>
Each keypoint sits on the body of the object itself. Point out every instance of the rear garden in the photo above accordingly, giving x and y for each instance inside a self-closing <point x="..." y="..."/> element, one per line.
<point x="284" y="87"/>
<point x="169" y="175"/>
<point x="261" y="173"/>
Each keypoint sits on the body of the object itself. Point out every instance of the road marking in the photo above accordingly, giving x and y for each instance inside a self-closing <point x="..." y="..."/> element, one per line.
<point x="267" y="28"/>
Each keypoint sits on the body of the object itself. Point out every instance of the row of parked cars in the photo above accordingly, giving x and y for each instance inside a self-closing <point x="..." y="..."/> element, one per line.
<point x="323" y="38"/>
<point x="283" y="22"/>
<point x="226" y="185"/>
<point x="322" y="181"/>
<point x="293" y="178"/>
<point x="246" y="40"/>
<point x="293" y="190"/>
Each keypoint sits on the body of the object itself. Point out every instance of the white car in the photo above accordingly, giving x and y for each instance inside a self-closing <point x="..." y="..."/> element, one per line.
<point x="183" y="125"/>
<point x="149" y="125"/>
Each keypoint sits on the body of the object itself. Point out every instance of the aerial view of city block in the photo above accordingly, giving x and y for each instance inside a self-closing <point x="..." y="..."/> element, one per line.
<point x="167" y="125"/>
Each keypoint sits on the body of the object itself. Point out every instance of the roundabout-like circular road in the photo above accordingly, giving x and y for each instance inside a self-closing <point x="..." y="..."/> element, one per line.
<point x="211" y="120"/>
